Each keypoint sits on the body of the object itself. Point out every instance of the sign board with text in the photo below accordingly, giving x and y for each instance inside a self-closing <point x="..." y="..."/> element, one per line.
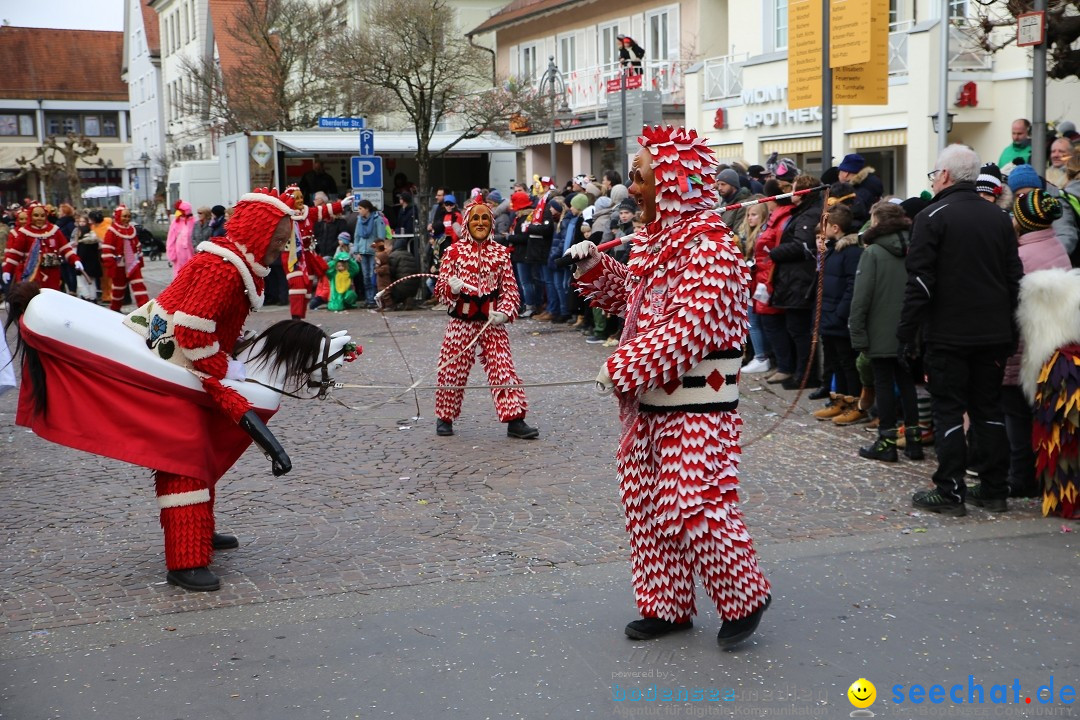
<point x="1030" y="29"/>
<point x="375" y="197"/>
<point x="342" y="123"/>
<point x="867" y="83"/>
<point x="642" y="108"/>
<point x="804" y="53"/>
<point x="849" y="41"/>
<point x="633" y="82"/>
<point x="367" y="142"/>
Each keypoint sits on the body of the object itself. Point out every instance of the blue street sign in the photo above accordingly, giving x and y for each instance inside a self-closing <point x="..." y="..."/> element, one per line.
<point x="339" y="122"/>
<point x="367" y="142"/>
<point x="367" y="172"/>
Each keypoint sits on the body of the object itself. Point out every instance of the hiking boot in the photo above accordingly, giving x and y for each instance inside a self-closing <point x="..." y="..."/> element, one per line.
<point x="518" y="429"/>
<point x="836" y="406"/>
<point x="652" y="628"/>
<point x="976" y="495"/>
<point x="198" y="579"/>
<point x="912" y="444"/>
<point x="733" y="632"/>
<point x="778" y="377"/>
<point x="221" y="541"/>
<point x="444" y="428"/>
<point x="934" y="501"/>
<point x="883" y="449"/>
<point x="853" y="415"/>
<point x="579" y="321"/>
<point x="542" y="317"/>
<point x="821" y="393"/>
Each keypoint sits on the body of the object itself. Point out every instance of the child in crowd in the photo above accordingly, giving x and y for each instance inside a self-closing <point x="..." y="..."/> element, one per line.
<point x="344" y="269"/>
<point x="753" y="223"/>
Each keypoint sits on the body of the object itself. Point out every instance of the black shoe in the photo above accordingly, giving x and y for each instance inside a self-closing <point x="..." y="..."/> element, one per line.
<point x="934" y="501"/>
<point x="976" y="496"/>
<point x="820" y="394"/>
<point x="220" y="541"/>
<point x="733" y="632"/>
<point x="199" y="579"/>
<point x="444" y="428"/>
<point x="884" y="448"/>
<point x="913" y="445"/>
<point x="792" y="383"/>
<point x="518" y="429"/>
<point x="651" y="628"/>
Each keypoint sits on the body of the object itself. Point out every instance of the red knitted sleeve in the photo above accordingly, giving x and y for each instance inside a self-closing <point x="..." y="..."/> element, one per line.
<point x="110" y="245"/>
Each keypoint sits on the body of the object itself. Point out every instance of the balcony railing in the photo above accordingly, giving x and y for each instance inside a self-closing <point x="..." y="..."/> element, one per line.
<point x="586" y="88"/>
<point x="898" y="47"/>
<point x="965" y="52"/>
<point x="723" y="77"/>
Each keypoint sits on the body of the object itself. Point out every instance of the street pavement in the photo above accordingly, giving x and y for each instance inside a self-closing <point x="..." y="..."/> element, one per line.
<point x="397" y="574"/>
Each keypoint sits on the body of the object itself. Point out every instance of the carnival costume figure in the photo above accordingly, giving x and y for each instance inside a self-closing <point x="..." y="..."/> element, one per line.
<point x="684" y="295"/>
<point x="477" y="284"/>
<point x="303" y="266"/>
<point x="35" y="251"/>
<point x="122" y="260"/>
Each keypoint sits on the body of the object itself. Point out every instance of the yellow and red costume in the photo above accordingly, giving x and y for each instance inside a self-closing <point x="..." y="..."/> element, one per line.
<point x="121" y="259"/>
<point x="684" y="295"/>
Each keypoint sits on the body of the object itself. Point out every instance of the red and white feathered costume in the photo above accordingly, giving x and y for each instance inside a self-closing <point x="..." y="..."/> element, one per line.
<point x="684" y="296"/>
<point x="121" y="259"/>
<point x="303" y="266"/>
<point x="35" y="254"/>
<point x="203" y="312"/>
<point x="485" y="267"/>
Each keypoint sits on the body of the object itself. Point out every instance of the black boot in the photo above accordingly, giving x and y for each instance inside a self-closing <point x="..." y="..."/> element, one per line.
<point x="884" y="448"/>
<point x="199" y="579"/>
<point x="821" y="393"/>
<point x="444" y="428"/>
<point x="518" y="429"/>
<point x="256" y="428"/>
<point x="913" y="444"/>
<point x="221" y="541"/>
<point x="733" y="632"/>
<point x="651" y="628"/>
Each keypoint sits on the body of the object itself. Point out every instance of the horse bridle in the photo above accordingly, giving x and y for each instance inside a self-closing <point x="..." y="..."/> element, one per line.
<point x="324" y="383"/>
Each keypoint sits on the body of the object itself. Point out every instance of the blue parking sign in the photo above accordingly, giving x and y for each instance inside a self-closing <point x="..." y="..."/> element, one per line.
<point x="367" y="172"/>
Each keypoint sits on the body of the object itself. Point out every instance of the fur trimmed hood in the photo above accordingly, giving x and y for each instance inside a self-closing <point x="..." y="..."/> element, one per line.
<point x="1049" y="318"/>
<point x="858" y="177"/>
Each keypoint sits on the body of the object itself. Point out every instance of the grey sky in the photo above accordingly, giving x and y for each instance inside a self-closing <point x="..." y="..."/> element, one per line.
<point x="71" y="14"/>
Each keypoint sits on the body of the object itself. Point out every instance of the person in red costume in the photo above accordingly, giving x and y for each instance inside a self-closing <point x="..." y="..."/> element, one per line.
<point x="121" y="258"/>
<point x="477" y="285"/>
<point x="684" y="294"/>
<point x="203" y="310"/>
<point x="35" y="251"/>
<point x="303" y="266"/>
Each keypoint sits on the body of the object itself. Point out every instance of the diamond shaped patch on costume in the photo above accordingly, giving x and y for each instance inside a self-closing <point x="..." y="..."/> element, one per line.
<point x="672" y="386"/>
<point x="715" y="380"/>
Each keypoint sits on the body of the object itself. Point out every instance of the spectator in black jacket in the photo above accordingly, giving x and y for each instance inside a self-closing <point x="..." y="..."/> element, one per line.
<point x="406" y="215"/>
<point x="853" y="169"/>
<point x="964" y="275"/>
<point x="217" y="221"/>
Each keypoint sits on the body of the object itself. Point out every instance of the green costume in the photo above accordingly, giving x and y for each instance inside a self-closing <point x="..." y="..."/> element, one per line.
<point x="342" y="294"/>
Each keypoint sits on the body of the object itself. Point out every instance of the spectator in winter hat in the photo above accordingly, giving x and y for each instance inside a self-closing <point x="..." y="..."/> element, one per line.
<point x="1024" y="179"/>
<point x="988" y="187"/>
<point x="853" y="169"/>
<point x="731" y="191"/>
<point x="786" y="170"/>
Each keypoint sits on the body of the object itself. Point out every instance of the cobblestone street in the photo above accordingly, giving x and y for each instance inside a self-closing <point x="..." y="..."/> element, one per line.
<point x="376" y="500"/>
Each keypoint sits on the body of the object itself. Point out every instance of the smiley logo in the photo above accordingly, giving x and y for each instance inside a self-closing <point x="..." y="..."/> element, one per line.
<point x="862" y="693"/>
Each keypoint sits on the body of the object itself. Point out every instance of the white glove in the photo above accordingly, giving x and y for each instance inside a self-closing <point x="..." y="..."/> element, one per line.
<point x="761" y="293"/>
<point x="235" y="371"/>
<point x="7" y="278"/>
<point x="455" y="284"/>
<point x="346" y="203"/>
<point x="583" y="250"/>
<point x="604" y="385"/>
<point x="78" y="265"/>
<point x="497" y="318"/>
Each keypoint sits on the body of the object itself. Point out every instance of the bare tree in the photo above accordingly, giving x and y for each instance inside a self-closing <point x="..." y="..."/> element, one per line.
<point x="269" y="75"/>
<point x="60" y="156"/>
<point x="1062" y="31"/>
<point x="412" y="50"/>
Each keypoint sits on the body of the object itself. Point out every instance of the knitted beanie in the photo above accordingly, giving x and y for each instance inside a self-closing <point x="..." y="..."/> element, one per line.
<point x="728" y="176"/>
<point x="579" y="201"/>
<point x="1035" y="210"/>
<point x="988" y="184"/>
<point x="1024" y="176"/>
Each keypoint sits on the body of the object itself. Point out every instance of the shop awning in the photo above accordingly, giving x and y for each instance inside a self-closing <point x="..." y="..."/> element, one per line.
<point x="593" y="132"/>
<point x="791" y="146"/>
<point x="386" y="143"/>
<point x="877" y="138"/>
<point x="729" y="152"/>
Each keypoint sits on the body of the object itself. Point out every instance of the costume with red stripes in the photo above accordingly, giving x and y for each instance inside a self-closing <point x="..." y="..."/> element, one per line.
<point x="121" y="258"/>
<point x="204" y="310"/>
<point x="35" y="252"/>
<point x="484" y="266"/>
<point x="684" y="296"/>
<point x="303" y="266"/>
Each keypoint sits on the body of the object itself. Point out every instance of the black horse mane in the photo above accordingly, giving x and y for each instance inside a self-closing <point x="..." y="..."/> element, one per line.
<point x="19" y="296"/>
<point x="294" y="345"/>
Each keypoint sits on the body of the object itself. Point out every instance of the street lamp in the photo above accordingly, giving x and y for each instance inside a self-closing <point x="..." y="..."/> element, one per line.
<point x="553" y="85"/>
<point x="145" y="160"/>
<point x="948" y="122"/>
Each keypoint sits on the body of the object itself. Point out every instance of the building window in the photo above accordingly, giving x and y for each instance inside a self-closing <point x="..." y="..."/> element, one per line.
<point x="607" y="51"/>
<point x="92" y="125"/>
<point x="14" y="124"/>
<point x="780" y="24"/>
<point x="528" y="63"/>
<point x="656" y="37"/>
<point x="958" y="9"/>
<point x="109" y="126"/>
<point x="567" y="54"/>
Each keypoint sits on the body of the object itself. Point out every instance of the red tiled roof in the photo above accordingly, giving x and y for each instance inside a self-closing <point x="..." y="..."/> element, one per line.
<point x="152" y="28"/>
<point x="521" y="10"/>
<point x="61" y="64"/>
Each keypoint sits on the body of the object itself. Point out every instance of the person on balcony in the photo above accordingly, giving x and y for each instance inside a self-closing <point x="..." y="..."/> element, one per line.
<point x="630" y="54"/>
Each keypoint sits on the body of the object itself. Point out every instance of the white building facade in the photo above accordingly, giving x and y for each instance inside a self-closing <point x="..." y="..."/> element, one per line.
<point x="142" y="73"/>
